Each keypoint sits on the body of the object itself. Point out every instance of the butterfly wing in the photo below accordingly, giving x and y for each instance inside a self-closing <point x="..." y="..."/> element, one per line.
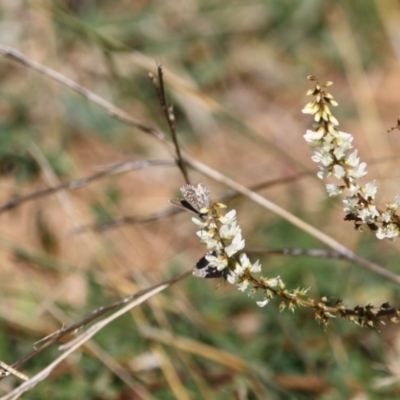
<point x="184" y="204"/>
<point x="203" y="269"/>
<point x="198" y="197"/>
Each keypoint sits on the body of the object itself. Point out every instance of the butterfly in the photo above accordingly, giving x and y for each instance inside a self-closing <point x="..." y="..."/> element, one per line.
<point x="203" y="269"/>
<point x="194" y="198"/>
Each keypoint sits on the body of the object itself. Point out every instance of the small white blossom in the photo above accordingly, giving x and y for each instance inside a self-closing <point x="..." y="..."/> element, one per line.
<point x="386" y="216"/>
<point x="390" y="231"/>
<point x="256" y="267"/>
<point x="341" y="151"/>
<point x="229" y="231"/>
<point x="338" y="171"/>
<point x="208" y="238"/>
<point x="235" y="276"/>
<point x="205" y="233"/>
<point x="201" y="223"/>
<point x="358" y="172"/>
<point x="370" y="190"/>
<point x="244" y="261"/>
<point x="274" y="282"/>
<point x="380" y="233"/>
<point x="236" y="245"/>
<point x="333" y="120"/>
<point x="351" y="204"/>
<point x="263" y="303"/>
<point x="368" y="214"/>
<point x="394" y="206"/>
<point x="219" y="262"/>
<point x="323" y="157"/>
<point x="314" y="137"/>
<point x="228" y="218"/>
<point x="333" y="190"/>
<point x="343" y="137"/>
<point x="242" y="286"/>
<point x="310" y="108"/>
<point x="354" y="189"/>
<point x="326" y="145"/>
<point x="232" y="278"/>
<point x="352" y="159"/>
<point x="323" y="173"/>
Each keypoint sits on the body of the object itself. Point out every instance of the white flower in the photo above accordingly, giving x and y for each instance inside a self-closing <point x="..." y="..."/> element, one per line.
<point x="386" y="216"/>
<point x="390" y="231"/>
<point x="327" y="146"/>
<point x="232" y="278"/>
<point x="333" y="120"/>
<point x="352" y="159"/>
<point x="242" y="286"/>
<point x="353" y="189"/>
<point x="207" y="237"/>
<point x="368" y="214"/>
<point x="350" y="204"/>
<point x="394" y="206"/>
<point x="370" y="190"/>
<point x="201" y="223"/>
<point x="381" y="233"/>
<point x="228" y="218"/>
<point x="341" y="151"/>
<point x="256" y="267"/>
<point x="314" y="137"/>
<point x="219" y="262"/>
<point x="235" y="275"/>
<point x="358" y="172"/>
<point x="323" y="157"/>
<point x="236" y="245"/>
<point x="273" y="282"/>
<point x="343" y="137"/>
<point x="229" y="231"/>
<point x="323" y="173"/>
<point x="310" y="108"/>
<point x="244" y="261"/>
<point x="333" y="190"/>
<point x="263" y="303"/>
<point x="338" y="171"/>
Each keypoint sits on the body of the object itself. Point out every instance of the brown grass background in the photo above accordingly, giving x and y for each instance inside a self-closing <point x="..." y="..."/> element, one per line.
<point x="236" y="74"/>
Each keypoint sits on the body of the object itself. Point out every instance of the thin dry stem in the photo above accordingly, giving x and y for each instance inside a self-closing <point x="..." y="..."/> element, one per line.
<point x="96" y="314"/>
<point x="83" y="338"/>
<point x="112" y="110"/>
<point x="170" y="117"/>
<point x="114" y="169"/>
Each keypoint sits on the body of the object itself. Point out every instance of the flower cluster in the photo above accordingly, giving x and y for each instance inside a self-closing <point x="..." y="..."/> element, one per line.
<point x="222" y="236"/>
<point x="332" y="150"/>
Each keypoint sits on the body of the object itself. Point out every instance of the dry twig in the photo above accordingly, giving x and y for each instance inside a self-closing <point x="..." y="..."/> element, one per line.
<point x="117" y="168"/>
<point x="129" y="302"/>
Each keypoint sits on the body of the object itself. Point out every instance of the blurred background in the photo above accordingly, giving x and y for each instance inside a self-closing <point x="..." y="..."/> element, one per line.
<point x="236" y="74"/>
